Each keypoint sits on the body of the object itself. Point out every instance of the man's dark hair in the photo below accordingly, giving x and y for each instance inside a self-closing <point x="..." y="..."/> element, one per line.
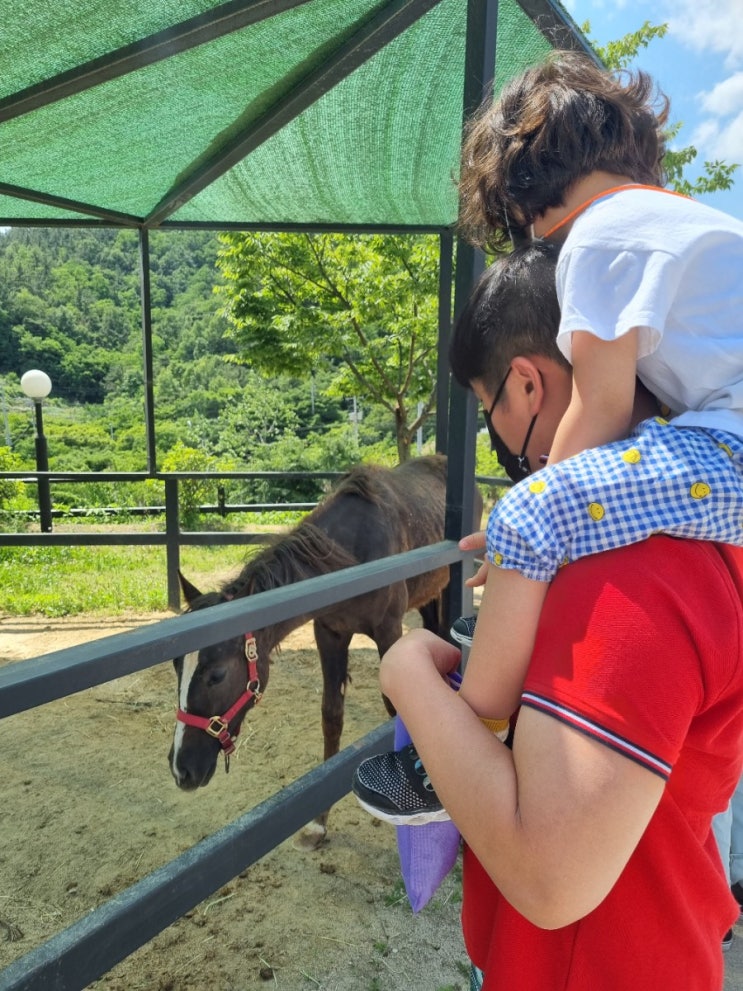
<point x="513" y="310"/>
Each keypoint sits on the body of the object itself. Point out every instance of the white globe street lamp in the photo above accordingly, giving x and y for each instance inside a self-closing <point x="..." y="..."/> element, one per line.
<point x="37" y="385"/>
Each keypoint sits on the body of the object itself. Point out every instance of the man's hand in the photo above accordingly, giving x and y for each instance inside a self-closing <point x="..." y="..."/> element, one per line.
<point x="475" y="542"/>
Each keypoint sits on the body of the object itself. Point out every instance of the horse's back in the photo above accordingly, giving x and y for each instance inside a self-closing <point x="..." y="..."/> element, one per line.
<point x="423" y="484"/>
<point x="377" y="511"/>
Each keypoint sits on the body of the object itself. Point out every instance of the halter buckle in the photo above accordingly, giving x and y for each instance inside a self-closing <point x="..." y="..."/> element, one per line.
<point x="216" y="726"/>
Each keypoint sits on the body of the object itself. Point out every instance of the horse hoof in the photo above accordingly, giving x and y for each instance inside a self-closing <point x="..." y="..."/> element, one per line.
<point x="311" y="837"/>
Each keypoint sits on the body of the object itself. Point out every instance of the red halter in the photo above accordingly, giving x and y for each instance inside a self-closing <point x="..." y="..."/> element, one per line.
<point x="217" y="726"/>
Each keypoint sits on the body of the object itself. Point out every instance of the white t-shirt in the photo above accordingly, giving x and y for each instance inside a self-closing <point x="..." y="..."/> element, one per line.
<point x="673" y="268"/>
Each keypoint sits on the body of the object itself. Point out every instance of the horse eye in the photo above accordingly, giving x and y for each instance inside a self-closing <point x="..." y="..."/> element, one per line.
<point x="216" y="676"/>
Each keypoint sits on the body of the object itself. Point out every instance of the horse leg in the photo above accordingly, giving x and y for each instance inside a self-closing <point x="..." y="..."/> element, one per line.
<point x="385" y="634"/>
<point x="333" y="648"/>
<point x="432" y="615"/>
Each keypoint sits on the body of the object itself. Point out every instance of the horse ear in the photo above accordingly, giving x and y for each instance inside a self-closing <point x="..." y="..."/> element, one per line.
<point x="190" y="592"/>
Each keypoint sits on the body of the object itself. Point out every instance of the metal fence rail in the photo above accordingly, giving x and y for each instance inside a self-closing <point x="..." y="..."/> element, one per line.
<point x="172" y="537"/>
<point x="43" y="679"/>
<point x="87" y="949"/>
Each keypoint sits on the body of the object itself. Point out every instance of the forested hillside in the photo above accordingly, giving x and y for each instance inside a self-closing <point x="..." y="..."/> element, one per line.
<point x="69" y="304"/>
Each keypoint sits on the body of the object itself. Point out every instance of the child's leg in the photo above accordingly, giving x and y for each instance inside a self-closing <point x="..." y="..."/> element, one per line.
<point x="503" y="642"/>
<point x="663" y="479"/>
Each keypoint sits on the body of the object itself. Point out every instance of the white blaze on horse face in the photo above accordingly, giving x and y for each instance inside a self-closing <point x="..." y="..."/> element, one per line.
<point x="188" y="670"/>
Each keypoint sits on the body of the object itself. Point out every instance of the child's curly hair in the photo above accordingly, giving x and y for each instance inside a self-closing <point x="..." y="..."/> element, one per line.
<point x="555" y="123"/>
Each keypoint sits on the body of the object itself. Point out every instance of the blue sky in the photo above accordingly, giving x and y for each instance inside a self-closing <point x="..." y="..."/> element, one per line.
<point x="698" y="64"/>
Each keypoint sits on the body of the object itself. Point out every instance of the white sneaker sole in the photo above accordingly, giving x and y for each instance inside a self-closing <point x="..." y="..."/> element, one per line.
<point x="396" y="819"/>
<point x="461" y="638"/>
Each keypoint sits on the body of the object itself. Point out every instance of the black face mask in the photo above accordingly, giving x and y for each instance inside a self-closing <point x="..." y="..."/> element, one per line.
<point x="516" y="466"/>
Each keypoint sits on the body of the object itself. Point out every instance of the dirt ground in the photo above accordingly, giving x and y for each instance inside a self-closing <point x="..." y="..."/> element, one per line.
<point x="89" y="807"/>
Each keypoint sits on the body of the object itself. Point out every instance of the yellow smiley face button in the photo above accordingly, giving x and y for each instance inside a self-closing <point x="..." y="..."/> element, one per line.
<point x="596" y="511"/>
<point x="699" y="490"/>
<point x="632" y="456"/>
<point x="537" y="487"/>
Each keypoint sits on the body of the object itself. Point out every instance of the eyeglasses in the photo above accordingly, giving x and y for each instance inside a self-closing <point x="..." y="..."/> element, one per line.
<point x="516" y="466"/>
<point x="495" y="440"/>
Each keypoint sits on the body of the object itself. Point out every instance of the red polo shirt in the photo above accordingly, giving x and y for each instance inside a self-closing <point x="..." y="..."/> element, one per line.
<point x="639" y="648"/>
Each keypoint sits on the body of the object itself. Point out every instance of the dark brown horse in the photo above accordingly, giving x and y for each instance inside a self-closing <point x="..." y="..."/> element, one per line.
<point x="372" y="513"/>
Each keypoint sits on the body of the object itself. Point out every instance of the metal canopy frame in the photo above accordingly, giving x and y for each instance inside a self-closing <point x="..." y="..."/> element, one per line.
<point x="371" y="37"/>
<point x="379" y="30"/>
<point x="455" y="425"/>
<point x="374" y="34"/>
<point x="91" y="946"/>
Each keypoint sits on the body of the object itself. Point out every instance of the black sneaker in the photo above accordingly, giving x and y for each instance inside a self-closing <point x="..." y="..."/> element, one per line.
<point x="727" y="940"/>
<point x="395" y="787"/>
<point x="463" y="629"/>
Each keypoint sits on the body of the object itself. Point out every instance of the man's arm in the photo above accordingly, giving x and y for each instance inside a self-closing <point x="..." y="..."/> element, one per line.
<point x="555" y="821"/>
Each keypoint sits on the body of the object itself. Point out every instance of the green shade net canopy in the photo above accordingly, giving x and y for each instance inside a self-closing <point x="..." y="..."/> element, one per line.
<point x="253" y="113"/>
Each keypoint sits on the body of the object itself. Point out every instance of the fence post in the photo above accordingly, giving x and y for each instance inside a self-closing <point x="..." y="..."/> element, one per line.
<point x="172" y="543"/>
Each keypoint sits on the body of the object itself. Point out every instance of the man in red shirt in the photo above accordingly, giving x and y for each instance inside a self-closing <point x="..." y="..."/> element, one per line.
<point x="590" y="864"/>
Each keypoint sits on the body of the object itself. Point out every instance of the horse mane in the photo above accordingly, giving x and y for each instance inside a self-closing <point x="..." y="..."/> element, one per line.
<point x="306" y="552"/>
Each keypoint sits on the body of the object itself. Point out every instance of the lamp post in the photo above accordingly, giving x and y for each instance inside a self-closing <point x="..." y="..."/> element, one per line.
<point x="37" y="386"/>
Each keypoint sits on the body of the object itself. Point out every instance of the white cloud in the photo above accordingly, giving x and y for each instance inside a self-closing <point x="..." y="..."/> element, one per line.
<point x="700" y="64"/>
<point x="712" y="26"/>
<point x="719" y="134"/>
<point x="724" y="98"/>
<point x="717" y="140"/>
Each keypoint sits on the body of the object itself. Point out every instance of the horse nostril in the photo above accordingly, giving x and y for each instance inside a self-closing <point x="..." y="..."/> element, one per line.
<point x="184" y="779"/>
<point x="180" y="777"/>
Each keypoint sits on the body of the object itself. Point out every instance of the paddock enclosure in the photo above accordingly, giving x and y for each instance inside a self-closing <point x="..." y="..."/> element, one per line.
<point x="94" y="769"/>
<point x="318" y="115"/>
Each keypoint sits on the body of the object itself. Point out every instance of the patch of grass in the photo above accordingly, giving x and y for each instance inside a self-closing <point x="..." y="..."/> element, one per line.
<point x="398" y="893"/>
<point x="65" y="581"/>
<point x="463" y="968"/>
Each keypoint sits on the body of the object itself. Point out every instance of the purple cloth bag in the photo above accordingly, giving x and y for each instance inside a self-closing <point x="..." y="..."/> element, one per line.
<point x="427" y="853"/>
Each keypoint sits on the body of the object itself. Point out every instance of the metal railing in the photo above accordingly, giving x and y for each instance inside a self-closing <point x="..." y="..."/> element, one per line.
<point x="172" y="537"/>
<point x="81" y="953"/>
<point x="87" y="949"/>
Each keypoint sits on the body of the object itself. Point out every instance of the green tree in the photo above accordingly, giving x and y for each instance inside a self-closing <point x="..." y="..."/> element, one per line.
<point x="364" y="307"/>
<point x="192" y="492"/>
<point x="13" y="494"/>
<point x="618" y="55"/>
